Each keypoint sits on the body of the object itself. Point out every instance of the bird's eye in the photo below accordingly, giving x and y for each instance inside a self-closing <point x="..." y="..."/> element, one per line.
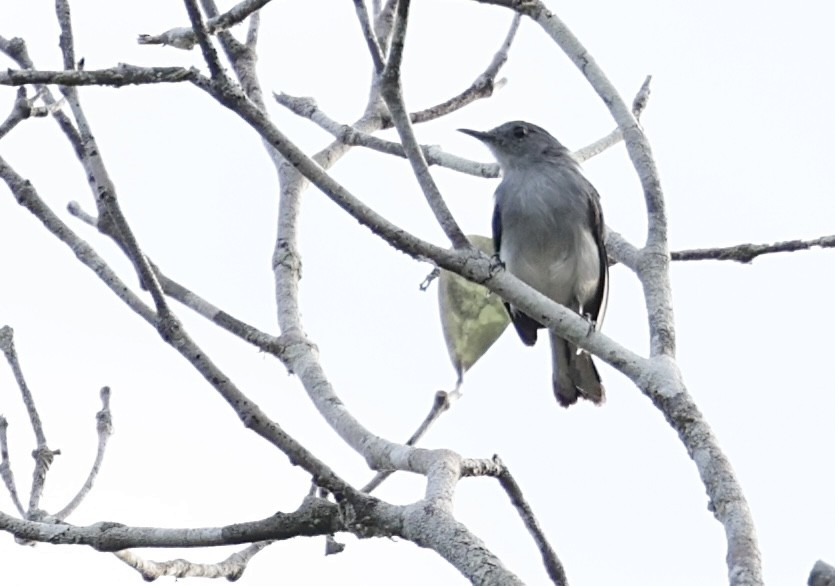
<point x="520" y="131"/>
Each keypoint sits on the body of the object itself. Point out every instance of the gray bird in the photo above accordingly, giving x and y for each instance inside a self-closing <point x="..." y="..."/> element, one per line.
<point x="548" y="230"/>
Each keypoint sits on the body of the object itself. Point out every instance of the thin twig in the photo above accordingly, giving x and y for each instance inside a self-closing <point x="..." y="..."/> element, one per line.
<point x="5" y="462"/>
<point x="210" y="56"/>
<point x="745" y="253"/>
<point x="42" y="454"/>
<point x="377" y="57"/>
<point x="65" y="41"/>
<point x="349" y="135"/>
<point x="251" y="415"/>
<point x="496" y="468"/>
<point x="184" y="38"/>
<point x="111" y="219"/>
<point x="392" y="93"/>
<point x="237" y="327"/>
<point x="232" y="568"/>
<point x="16" y="50"/>
<point x="614" y="137"/>
<point x="442" y="402"/>
<point x="104" y="428"/>
<point x="483" y="87"/>
<point x="21" y="110"/>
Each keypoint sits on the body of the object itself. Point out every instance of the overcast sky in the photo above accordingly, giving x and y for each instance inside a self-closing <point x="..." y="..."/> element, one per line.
<point x="741" y="124"/>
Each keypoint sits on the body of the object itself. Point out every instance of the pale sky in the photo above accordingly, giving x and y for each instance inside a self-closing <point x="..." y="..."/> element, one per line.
<point x="740" y="122"/>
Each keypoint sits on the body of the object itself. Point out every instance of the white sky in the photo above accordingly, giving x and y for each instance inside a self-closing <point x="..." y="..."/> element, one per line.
<point x="740" y="121"/>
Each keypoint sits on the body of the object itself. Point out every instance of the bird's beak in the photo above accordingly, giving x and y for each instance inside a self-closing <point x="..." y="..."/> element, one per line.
<point x="482" y="136"/>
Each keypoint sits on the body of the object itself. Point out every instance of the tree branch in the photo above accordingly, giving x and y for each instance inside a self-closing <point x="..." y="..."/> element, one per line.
<point x="209" y="54"/>
<point x="307" y="108"/>
<point x="6" y="466"/>
<point x="483" y="86"/>
<point x="42" y="454"/>
<point x="104" y="428"/>
<point x="184" y="38"/>
<point x="614" y="137"/>
<point x="232" y="568"/>
<point x="314" y="517"/>
<point x="121" y="75"/>
<point x="391" y="91"/>
<point x="662" y="381"/>
<point x="497" y="469"/>
<point x="745" y="253"/>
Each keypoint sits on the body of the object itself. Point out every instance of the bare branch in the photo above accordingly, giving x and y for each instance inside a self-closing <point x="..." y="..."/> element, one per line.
<point x="111" y="219"/>
<point x="393" y="95"/>
<point x="21" y="110"/>
<point x="184" y="38"/>
<point x="663" y="383"/>
<point x="5" y="464"/>
<point x="232" y="568"/>
<point x="16" y="50"/>
<point x="62" y="10"/>
<point x="377" y="57"/>
<point x="350" y="136"/>
<point x="251" y="415"/>
<point x="104" y="427"/>
<point x="745" y="253"/>
<point x="483" y="86"/>
<point x="246" y="332"/>
<point x="42" y="454"/>
<point x="208" y="50"/>
<point x="441" y="403"/>
<point x="497" y="469"/>
<point x="614" y="137"/>
<point x="314" y="517"/>
<point x="27" y="196"/>
<point x="121" y="75"/>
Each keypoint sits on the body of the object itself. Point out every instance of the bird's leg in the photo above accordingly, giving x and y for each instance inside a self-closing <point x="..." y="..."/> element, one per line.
<point x="588" y="317"/>
<point x="496" y="263"/>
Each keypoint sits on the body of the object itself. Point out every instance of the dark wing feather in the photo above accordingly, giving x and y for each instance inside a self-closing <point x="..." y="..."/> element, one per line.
<point x="597" y="308"/>
<point x="525" y="326"/>
<point x="497" y="229"/>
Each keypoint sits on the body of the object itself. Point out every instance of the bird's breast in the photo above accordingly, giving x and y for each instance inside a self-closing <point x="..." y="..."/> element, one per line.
<point x="546" y="238"/>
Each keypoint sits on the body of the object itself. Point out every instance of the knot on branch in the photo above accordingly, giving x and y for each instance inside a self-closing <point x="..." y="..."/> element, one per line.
<point x="285" y="256"/>
<point x="44" y="456"/>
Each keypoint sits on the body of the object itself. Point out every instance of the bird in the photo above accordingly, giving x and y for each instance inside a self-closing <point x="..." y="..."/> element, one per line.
<point x="548" y="231"/>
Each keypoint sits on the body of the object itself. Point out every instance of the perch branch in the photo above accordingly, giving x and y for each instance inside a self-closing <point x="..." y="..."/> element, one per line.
<point x="662" y="381"/>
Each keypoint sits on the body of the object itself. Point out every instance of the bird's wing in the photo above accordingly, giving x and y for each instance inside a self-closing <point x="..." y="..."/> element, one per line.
<point x="597" y="308"/>
<point x="497" y="228"/>
<point x="525" y="326"/>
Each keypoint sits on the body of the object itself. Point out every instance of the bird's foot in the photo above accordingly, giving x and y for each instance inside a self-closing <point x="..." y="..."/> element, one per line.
<point x="592" y="324"/>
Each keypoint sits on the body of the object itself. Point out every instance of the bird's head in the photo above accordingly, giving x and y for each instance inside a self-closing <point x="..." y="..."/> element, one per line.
<point x="518" y="144"/>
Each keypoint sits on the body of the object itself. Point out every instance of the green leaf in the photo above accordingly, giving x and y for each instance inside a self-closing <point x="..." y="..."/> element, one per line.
<point x="472" y="317"/>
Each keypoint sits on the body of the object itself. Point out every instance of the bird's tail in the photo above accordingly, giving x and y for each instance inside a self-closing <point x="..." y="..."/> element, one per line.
<point x="574" y="374"/>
